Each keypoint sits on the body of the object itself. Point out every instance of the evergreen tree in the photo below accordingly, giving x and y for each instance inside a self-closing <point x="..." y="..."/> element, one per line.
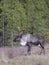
<point x="31" y="15"/>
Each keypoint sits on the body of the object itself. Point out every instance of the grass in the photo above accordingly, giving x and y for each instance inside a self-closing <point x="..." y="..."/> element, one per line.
<point x="28" y="60"/>
<point x="33" y="59"/>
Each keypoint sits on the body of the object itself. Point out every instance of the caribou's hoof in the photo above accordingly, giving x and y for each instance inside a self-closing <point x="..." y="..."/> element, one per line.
<point x="29" y="53"/>
<point x="25" y="54"/>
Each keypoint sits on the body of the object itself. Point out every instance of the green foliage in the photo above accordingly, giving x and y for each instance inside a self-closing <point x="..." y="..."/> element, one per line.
<point x="31" y="15"/>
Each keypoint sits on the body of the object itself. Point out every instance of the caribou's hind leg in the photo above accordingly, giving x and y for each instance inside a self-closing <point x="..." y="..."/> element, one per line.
<point x="42" y="48"/>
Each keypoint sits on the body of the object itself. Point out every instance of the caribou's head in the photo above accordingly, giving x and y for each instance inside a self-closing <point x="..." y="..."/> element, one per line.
<point x="19" y="36"/>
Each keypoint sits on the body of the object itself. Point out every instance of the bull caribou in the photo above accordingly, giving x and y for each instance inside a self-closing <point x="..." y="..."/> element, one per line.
<point x="27" y="39"/>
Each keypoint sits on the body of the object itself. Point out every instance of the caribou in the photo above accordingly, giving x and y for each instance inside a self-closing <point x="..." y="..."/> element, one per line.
<point x="27" y="39"/>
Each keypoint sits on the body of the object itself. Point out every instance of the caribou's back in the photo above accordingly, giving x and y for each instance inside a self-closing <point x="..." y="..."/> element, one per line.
<point x="31" y="38"/>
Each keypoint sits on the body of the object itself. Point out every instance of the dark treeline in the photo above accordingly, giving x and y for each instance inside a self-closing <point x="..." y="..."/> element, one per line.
<point x="31" y="15"/>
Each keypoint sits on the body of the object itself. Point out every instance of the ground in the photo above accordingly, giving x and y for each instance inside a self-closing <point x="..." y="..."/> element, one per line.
<point x="16" y="56"/>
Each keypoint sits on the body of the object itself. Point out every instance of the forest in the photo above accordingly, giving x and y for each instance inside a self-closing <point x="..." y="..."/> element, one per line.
<point x="31" y="15"/>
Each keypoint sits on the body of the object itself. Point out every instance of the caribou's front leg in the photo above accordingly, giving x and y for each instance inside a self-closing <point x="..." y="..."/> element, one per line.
<point x="29" y="48"/>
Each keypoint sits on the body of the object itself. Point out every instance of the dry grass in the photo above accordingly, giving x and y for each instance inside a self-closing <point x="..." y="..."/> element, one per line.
<point x="15" y="56"/>
<point x="27" y="60"/>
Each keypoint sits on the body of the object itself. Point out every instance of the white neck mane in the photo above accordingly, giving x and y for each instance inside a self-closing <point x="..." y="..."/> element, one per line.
<point x="24" y="39"/>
